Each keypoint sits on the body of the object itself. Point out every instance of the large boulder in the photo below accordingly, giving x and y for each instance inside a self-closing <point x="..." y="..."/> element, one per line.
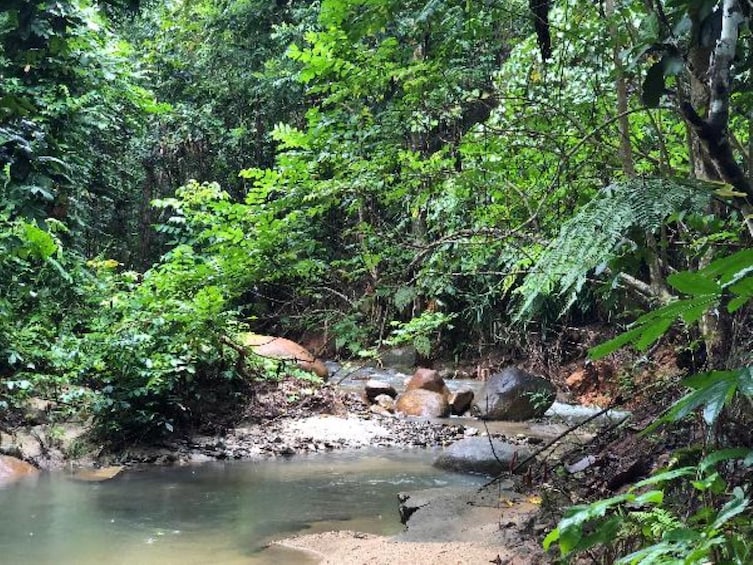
<point x="513" y="394"/>
<point x="284" y="349"/>
<point x="421" y="402"/>
<point x="12" y="469"/>
<point x="399" y="357"/>
<point x="482" y="455"/>
<point x="460" y="401"/>
<point x="428" y="379"/>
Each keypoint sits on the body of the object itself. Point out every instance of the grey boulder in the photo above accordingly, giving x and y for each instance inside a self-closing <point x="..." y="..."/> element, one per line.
<point x="513" y="394"/>
<point x="480" y="455"/>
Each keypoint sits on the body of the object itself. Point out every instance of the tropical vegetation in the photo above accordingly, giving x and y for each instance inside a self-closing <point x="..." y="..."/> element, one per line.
<point x="453" y="174"/>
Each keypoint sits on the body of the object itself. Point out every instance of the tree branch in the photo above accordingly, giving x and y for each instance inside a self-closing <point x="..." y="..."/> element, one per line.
<point x="713" y="132"/>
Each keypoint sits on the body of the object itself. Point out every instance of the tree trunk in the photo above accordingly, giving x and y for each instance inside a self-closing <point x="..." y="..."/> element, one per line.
<point x="712" y="157"/>
<point x="656" y="274"/>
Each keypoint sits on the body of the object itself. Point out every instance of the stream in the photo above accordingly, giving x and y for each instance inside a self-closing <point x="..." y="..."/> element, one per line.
<point x="223" y="513"/>
<point x="228" y="512"/>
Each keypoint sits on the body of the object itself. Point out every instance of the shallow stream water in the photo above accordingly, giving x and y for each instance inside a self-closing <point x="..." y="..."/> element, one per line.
<point x="219" y="513"/>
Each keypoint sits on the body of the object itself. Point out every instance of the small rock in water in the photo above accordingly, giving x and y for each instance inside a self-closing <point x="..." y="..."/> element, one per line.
<point x="385" y="401"/>
<point x="428" y="379"/>
<point x="516" y="395"/>
<point x="460" y="401"/>
<point x="399" y="357"/>
<point x="380" y="411"/>
<point x="98" y="475"/>
<point x="420" y="402"/>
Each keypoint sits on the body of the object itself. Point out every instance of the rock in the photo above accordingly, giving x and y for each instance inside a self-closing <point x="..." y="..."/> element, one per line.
<point x="98" y="475"/>
<point x="576" y="413"/>
<point x="375" y="388"/>
<point x="460" y="401"/>
<point x="420" y="402"/>
<point x="12" y="469"/>
<point x="37" y="410"/>
<point x="399" y="357"/>
<point x="428" y="379"/>
<point x="281" y="348"/>
<point x="380" y="411"/>
<point x="513" y="394"/>
<point x="581" y="465"/>
<point x="475" y="455"/>
<point x="410" y="502"/>
<point x="6" y="443"/>
<point x="29" y="442"/>
<point x="385" y="401"/>
<point x="456" y="513"/>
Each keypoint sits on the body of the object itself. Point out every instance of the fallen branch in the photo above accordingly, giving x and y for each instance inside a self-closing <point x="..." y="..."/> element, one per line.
<point x="619" y="401"/>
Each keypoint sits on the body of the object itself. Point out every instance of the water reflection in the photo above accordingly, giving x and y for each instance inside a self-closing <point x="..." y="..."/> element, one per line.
<point x="211" y="513"/>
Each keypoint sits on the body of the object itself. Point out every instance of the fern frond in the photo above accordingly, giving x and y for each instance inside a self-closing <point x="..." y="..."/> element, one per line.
<point x="656" y="522"/>
<point x="598" y="233"/>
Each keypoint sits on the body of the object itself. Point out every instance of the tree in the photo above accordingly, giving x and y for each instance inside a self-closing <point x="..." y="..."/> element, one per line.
<point x="72" y="100"/>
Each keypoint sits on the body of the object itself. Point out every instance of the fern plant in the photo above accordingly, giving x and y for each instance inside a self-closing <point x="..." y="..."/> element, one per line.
<point x="714" y="533"/>
<point x="599" y="233"/>
<point x="648" y="513"/>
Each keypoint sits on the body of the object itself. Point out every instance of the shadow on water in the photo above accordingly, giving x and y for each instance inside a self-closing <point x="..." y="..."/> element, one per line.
<point x="221" y="513"/>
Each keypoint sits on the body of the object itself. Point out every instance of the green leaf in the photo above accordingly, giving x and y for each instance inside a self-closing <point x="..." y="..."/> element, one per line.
<point x="712" y="390"/>
<point x="718" y="456"/>
<point x="551" y="537"/>
<point x="694" y="283"/>
<point x="732" y="268"/>
<point x="655" y="497"/>
<point x="41" y="243"/>
<point x="652" y="332"/>
<point x="665" y="476"/>
<point x="604" y="349"/>
<point x="736" y="506"/>
<point x="66" y="276"/>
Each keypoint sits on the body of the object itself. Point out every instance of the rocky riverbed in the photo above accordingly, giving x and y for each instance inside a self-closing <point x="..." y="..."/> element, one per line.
<point x="283" y="420"/>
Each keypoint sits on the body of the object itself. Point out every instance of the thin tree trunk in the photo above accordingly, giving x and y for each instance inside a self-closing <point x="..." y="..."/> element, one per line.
<point x="626" y="149"/>
<point x="656" y="274"/>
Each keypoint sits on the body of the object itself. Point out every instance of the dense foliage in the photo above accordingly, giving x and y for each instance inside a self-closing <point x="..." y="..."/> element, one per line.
<point x="456" y="175"/>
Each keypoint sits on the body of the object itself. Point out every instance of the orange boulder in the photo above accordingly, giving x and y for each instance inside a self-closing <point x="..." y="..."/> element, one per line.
<point x="422" y="402"/>
<point x="12" y="469"/>
<point x="284" y="349"/>
<point x="428" y="379"/>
